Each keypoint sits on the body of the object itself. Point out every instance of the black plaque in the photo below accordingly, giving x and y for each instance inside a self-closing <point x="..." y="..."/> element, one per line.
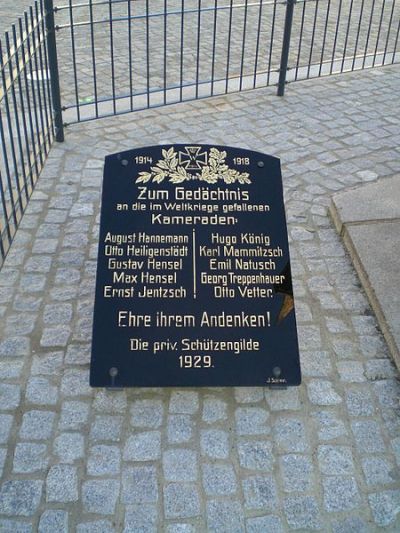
<point x="193" y="280"/>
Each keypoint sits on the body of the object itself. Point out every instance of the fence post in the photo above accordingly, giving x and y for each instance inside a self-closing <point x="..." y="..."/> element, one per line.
<point x="285" y="46"/>
<point x="53" y="67"/>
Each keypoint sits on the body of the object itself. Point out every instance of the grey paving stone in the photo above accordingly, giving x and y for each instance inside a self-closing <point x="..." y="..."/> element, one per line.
<point x="380" y="471"/>
<point x="15" y="526"/>
<point x="9" y="396"/>
<point x="184" y="402"/>
<point x="140" y="485"/>
<point x="296" y="472"/>
<point x="388" y="393"/>
<point x="377" y="369"/>
<point x="214" y="410"/>
<point x="100" y="496"/>
<point x="57" y="313"/>
<point x="340" y="493"/>
<point x="75" y="382"/>
<point x="11" y="369"/>
<point x="78" y="354"/>
<point x="14" y="347"/>
<point x="16" y="326"/>
<point x="20" y="497"/>
<point x="74" y="415"/>
<point x="62" y="484"/>
<point x="41" y="391"/>
<point x="47" y="364"/>
<point x="351" y="371"/>
<point x="335" y="460"/>
<point x="37" y="425"/>
<point x="259" y="492"/>
<point x="55" y="336"/>
<point x="385" y="506"/>
<point x="5" y="427"/>
<point x="181" y="500"/>
<point x="69" y="447"/>
<point x="290" y="435"/>
<point x="95" y="526"/>
<point x="214" y="443"/>
<point x="144" y="446"/>
<point x="219" y="479"/>
<point x="32" y="282"/>
<point x="309" y="337"/>
<point x="351" y="524"/>
<point x="396" y="448"/>
<point x="359" y="402"/>
<point x="330" y="426"/>
<point x="180" y="464"/>
<point x="104" y="460"/>
<point x="279" y="400"/>
<point x="321" y="392"/>
<point x="147" y="413"/>
<point x="249" y="394"/>
<point x="180" y="528"/>
<point x="368" y="436"/>
<point x="252" y="421"/>
<point x="29" y="457"/>
<point x="3" y="457"/>
<point x="302" y="512"/>
<point x="261" y="524"/>
<point x="224" y="516"/>
<point x="110" y="402"/>
<point x="106" y="428"/>
<point x="141" y="517"/>
<point x="179" y="428"/>
<point x="316" y="364"/>
<point x="256" y="455"/>
<point x="53" y="520"/>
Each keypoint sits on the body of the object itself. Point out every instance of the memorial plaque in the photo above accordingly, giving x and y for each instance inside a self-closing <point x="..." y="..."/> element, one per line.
<point x="193" y="279"/>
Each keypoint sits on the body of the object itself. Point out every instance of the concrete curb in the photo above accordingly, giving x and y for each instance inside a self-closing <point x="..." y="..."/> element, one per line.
<point x="360" y="255"/>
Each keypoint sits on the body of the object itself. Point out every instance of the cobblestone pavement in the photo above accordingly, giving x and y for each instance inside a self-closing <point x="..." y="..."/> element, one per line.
<point x="324" y="456"/>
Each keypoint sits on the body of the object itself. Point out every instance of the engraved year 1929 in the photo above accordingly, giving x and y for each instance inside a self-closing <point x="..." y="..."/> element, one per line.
<point x="195" y="361"/>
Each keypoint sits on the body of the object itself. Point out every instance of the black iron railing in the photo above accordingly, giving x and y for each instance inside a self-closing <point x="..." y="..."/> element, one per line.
<point x="116" y="56"/>
<point x="126" y="55"/>
<point x="27" y="126"/>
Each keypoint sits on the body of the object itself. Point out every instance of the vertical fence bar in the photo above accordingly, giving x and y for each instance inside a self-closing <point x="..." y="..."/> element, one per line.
<point x="299" y="48"/>
<point x="271" y="43"/>
<point x="228" y="58"/>
<point x="71" y="21"/>
<point x="285" y="46"/>
<point x="257" y="43"/>
<point x="112" y="65"/>
<point x="130" y="55"/>
<point x="198" y="48"/>
<point x="165" y="35"/>
<point x="243" y="45"/>
<point x="53" y="68"/>
<point x="213" y="47"/>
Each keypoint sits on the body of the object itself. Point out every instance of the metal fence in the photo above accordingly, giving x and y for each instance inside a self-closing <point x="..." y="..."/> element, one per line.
<point x="118" y="56"/>
<point x="27" y="125"/>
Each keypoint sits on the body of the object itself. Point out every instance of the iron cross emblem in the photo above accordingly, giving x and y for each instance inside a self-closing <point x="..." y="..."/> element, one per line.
<point x="192" y="159"/>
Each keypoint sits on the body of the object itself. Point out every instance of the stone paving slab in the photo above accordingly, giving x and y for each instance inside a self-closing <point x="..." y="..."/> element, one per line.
<point x="323" y="456"/>
<point x="370" y="202"/>
<point x="368" y="218"/>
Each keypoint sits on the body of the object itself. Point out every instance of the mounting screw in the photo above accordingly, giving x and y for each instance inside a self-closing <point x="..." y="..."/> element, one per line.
<point x="260" y="164"/>
<point x="124" y="163"/>
<point x="113" y="372"/>
<point x="276" y="371"/>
